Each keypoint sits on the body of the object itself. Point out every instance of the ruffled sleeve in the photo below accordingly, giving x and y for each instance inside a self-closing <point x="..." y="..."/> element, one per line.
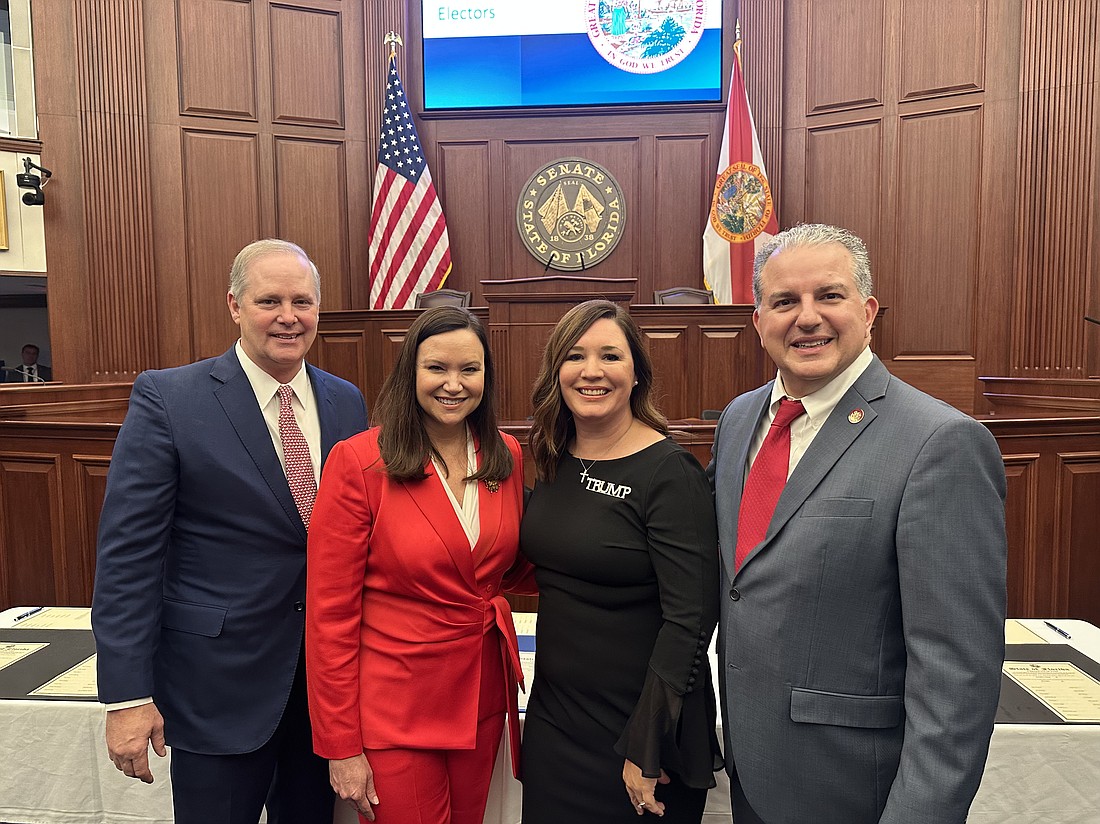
<point x="673" y="723"/>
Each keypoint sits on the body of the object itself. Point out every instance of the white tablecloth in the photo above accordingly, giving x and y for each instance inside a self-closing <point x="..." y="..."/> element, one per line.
<point x="56" y="771"/>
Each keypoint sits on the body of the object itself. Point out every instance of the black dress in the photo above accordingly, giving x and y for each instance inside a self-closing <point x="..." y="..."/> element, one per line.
<point x="627" y="566"/>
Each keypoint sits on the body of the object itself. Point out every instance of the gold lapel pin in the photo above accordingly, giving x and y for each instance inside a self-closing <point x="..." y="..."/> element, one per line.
<point x="855" y="416"/>
<point x="492" y="486"/>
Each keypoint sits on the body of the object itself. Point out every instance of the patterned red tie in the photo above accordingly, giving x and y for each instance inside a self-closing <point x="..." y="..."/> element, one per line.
<point x="299" y="467"/>
<point x="766" y="480"/>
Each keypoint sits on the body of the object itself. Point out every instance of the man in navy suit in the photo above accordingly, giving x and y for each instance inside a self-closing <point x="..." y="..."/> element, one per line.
<point x="199" y="600"/>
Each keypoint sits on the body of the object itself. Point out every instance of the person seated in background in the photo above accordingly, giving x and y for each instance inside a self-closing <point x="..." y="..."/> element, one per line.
<point x="30" y="371"/>
<point x="621" y="530"/>
<point x="412" y="658"/>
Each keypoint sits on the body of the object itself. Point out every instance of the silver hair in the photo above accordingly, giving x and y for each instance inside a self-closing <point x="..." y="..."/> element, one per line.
<point x="238" y="273"/>
<point x="815" y="234"/>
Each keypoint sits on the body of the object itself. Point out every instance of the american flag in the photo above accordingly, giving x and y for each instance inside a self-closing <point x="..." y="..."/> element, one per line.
<point x="409" y="248"/>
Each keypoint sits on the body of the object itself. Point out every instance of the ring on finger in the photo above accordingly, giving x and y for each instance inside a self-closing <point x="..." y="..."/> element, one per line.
<point x="641" y="805"/>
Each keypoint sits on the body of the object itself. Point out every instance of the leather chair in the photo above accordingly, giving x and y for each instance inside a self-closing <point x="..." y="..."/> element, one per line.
<point x="683" y="294"/>
<point x="441" y="297"/>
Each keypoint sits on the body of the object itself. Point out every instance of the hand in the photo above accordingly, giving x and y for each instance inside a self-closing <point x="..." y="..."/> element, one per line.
<point x="353" y="780"/>
<point x="129" y="734"/>
<point x="640" y="789"/>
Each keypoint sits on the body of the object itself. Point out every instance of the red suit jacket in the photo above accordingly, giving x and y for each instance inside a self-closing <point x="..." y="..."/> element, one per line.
<point x="397" y="606"/>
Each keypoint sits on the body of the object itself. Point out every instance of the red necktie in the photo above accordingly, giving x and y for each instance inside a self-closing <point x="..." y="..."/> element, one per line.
<point x="766" y="480"/>
<point x="299" y="467"/>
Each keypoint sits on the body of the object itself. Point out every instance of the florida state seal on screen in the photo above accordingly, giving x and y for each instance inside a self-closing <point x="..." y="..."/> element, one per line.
<point x="645" y="36"/>
<point x="571" y="214"/>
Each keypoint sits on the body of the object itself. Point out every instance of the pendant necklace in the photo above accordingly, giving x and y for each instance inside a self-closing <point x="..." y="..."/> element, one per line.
<point x="606" y="452"/>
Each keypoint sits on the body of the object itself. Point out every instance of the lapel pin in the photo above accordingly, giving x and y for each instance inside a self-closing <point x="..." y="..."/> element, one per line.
<point x="492" y="486"/>
<point x="855" y="416"/>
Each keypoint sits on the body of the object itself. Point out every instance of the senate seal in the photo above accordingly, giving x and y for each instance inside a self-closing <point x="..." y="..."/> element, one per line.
<point x="742" y="203"/>
<point x="644" y="36"/>
<point x="571" y="214"/>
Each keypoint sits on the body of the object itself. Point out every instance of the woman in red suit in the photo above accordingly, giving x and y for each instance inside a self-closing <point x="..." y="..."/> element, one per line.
<point x="411" y="655"/>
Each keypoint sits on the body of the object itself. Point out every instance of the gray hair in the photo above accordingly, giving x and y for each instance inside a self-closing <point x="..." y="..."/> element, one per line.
<point x="815" y="234"/>
<point x="238" y="273"/>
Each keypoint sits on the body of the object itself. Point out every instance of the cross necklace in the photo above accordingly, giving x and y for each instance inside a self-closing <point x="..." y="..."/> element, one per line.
<point x="606" y="452"/>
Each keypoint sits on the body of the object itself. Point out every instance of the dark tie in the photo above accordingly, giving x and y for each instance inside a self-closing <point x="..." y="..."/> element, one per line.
<point x="766" y="480"/>
<point x="299" y="467"/>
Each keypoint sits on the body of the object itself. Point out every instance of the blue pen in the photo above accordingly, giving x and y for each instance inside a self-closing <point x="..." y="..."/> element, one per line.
<point x="1059" y="630"/>
<point x="27" y="614"/>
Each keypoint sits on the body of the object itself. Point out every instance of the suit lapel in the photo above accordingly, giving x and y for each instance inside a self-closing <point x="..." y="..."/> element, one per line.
<point x="837" y="435"/>
<point x="490" y="510"/>
<point x="239" y="404"/>
<point x="437" y="509"/>
<point x="742" y="429"/>
<point x="326" y="411"/>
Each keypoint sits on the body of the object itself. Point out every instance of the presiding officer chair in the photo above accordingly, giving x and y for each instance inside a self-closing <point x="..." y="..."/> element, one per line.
<point x="441" y="297"/>
<point x="683" y="294"/>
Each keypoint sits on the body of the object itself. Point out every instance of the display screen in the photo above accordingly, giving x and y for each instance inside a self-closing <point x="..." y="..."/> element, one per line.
<point x="508" y="53"/>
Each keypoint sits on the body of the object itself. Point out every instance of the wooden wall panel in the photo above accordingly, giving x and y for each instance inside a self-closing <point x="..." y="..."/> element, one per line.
<point x="763" y="55"/>
<point x="936" y="268"/>
<point x="939" y="59"/>
<point x="116" y="186"/>
<point x="1079" y="521"/>
<point x="1058" y="174"/>
<point x="1021" y="519"/>
<point x="475" y="229"/>
<point x="31" y="504"/>
<point x="311" y="206"/>
<point x="221" y="219"/>
<point x="846" y="39"/>
<point x="844" y="178"/>
<point x="685" y="178"/>
<point x="216" y="40"/>
<point x="308" y="40"/>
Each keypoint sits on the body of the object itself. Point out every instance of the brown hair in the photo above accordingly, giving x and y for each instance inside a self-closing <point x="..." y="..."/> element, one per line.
<point x="552" y="425"/>
<point x="403" y="441"/>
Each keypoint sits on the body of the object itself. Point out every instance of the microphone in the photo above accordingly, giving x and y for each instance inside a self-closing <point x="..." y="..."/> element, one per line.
<point x="549" y="260"/>
<point x="18" y="370"/>
<point x="1092" y="320"/>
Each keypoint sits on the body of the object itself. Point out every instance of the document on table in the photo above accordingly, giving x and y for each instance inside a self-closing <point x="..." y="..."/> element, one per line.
<point x="12" y="652"/>
<point x="1017" y="633"/>
<point x="1064" y="688"/>
<point x="58" y="618"/>
<point x="76" y="682"/>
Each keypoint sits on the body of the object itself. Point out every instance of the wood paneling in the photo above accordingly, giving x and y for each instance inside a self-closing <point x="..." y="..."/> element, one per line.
<point x="115" y="171"/>
<point x="222" y="217"/>
<point x="216" y="40"/>
<point x="1058" y="177"/>
<point x="938" y="59"/>
<point x="846" y="39"/>
<point x="1079" y="525"/>
<point x="311" y="205"/>
<point x="309" y="40"/>
<point x="476" y="228"/>
<point x="936" y="269"/>
<point x="53" y="476"/>
<point x="830" y="188"/>
<point x="685" y="177"/>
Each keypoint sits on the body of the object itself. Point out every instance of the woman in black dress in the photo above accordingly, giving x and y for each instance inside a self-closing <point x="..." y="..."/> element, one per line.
<point x="621" y="530"/>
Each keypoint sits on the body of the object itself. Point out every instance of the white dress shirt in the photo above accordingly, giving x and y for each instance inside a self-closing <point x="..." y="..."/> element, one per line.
<point x="819" y="405"/>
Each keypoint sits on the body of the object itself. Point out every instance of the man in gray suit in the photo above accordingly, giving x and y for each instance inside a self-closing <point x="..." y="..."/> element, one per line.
<point x="862" y="626"/>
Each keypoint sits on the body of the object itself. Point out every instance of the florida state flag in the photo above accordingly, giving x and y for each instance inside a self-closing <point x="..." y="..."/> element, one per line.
<point x="742" y="214"/>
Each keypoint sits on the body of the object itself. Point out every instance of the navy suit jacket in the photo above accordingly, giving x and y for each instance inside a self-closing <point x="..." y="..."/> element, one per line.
<point x="200" y="580"/>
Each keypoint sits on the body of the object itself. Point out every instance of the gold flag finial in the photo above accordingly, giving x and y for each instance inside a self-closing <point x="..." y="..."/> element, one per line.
<point x="393" y="40"/>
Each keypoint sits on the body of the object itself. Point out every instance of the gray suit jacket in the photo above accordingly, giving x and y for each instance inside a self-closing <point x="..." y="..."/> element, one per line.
<point x="861" y="641"/>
